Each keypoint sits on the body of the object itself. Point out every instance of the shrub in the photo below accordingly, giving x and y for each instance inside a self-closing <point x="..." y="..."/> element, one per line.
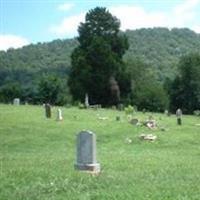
<point x="129" y="110"/>
<point x="81" y="106"/>
<point x="196" y="112"/>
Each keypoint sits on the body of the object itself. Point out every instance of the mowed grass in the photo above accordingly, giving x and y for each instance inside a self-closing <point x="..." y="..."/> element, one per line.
<point x="37" y="156"/>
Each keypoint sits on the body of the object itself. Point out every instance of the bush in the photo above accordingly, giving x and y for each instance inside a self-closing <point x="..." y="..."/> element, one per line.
<point x="196" y="112"/>
<point x="129" y="110"/>
<point x="81" y="105"/>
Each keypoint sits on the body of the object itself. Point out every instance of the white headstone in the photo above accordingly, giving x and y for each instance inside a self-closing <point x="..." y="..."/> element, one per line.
<point x="87" y="101"/>
<point x="59" y="115"/>
<point x="16" y="101"/>
<point x="86" y="152"/>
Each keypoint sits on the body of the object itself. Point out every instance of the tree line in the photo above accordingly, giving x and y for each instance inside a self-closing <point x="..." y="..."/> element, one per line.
<point x="155" y="69"/>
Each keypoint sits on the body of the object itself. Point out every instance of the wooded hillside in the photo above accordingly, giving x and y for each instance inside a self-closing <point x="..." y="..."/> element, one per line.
<point x="160" y="48"/>
<point x="26" y="70"/>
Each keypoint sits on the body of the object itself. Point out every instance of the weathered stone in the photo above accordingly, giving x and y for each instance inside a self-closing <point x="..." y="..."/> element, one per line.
<point x="166" y="112"/>
<point x="86" y="152"/>
<point x="47" y="110"/>
<point x="134" y="121"/>
<point x="179" y="116"/>
<point x="151" y="124"/>
<point x="16" y="101"/>
<point x="87" y="101"/>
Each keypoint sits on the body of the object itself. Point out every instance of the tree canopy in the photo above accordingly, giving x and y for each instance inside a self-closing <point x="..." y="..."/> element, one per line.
<point x="98" y="58"/>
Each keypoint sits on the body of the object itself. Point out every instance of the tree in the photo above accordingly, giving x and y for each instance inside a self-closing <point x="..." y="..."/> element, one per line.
<point x="52" y="90"/>
<point x="9" y="91"/>
<point x="98" y="58"/>
<point x="185" y="92"/>
<point x="146" y="91"/>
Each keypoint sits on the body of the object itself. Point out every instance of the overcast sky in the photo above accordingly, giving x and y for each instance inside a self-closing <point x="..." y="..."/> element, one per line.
<point x="31" y="21"/>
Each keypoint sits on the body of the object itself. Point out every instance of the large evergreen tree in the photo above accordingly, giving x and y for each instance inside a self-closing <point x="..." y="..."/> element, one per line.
<point x="98" y="58"/>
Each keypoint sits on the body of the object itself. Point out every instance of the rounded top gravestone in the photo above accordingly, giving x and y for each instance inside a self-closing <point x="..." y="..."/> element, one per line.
<point x="86" y="152"/>
<point x="16" y="101"/>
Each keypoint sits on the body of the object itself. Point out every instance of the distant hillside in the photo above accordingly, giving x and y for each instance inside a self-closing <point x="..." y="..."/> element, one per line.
<point x="160" y="48"/>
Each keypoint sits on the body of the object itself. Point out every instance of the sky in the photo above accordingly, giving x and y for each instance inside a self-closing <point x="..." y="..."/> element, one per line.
<point x="31" y="21"/>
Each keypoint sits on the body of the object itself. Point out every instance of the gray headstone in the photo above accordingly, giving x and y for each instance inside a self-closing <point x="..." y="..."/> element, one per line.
<point x="87" y="101"/>
<point x="179" y="116"/>
<point x="134" y="121"/>
<point x="86" y="152"/>
<point x="16" y="101"/>
<point x="166" y="112"/>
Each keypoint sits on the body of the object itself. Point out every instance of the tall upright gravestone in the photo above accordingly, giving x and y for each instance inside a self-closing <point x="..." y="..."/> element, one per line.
<point x="86" y="152"/>
<point x="179" y="116"/>
<point x="59" y="115"/>
<point x="47" y="110"/>
<point x="87" y="101"/>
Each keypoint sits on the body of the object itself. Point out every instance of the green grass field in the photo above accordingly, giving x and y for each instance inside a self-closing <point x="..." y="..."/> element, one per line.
<point x="37" y="157"/>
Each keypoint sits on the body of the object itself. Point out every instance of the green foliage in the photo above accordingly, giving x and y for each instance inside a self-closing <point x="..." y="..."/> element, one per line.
<point x="196" y="112"/>
<point x="9" y="91"/>
<point x="185" y="91"/>
<point x="161" y="48"/>
<point x="153" y="55"/>
<point x="146" y="92"/>
<point x="129" y="110"/>
<point x="98" y="57"/>
<point x="81" y="105"/>
<point x="52" y="90"/>
<point x="151" y="96"/>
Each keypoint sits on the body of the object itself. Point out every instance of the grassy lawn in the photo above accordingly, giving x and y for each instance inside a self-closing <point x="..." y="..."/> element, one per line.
<point x="37" y="156"/>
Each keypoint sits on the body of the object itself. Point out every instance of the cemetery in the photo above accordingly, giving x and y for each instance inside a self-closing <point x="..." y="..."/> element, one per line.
<point x="85" y="157"/>
<point x="110" y="114"/>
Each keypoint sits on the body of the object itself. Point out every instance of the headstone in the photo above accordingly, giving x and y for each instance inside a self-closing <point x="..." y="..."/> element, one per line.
<point x="143" y="110"/>
<point x="59" y="115"/>
<point x="87" y="101"/>
<point x="179" y="116"/>
<point x="134" y="121"/>
<point x="117" y="118"/>
<point x="166" y="112"/>
<point x="47" y="110"/>
<point x="86" y="152"/>
<point x="120" y="107"/>
<point x="16" y="101"/>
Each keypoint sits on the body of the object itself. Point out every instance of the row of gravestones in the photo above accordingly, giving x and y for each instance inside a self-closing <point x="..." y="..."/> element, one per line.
<point x="48" y="112"/>
<point x="86" y="144"/>
<point x="16" y="101"/>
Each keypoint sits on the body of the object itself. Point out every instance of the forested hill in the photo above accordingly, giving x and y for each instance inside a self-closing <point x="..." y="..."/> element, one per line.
<point x="160" y="48"/>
